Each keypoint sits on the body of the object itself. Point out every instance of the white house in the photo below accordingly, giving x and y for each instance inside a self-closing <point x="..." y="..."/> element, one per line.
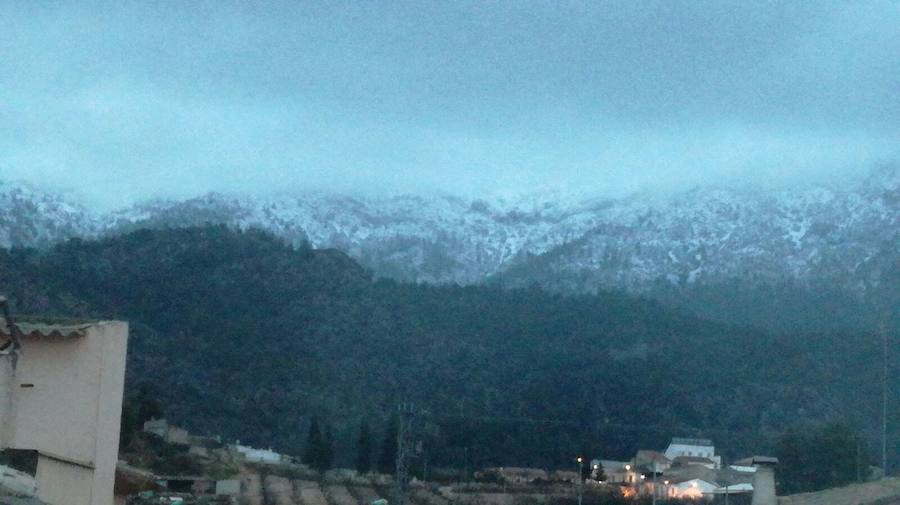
<point x="693" y="447"/>
<point x="690" y="489"/>
<point x="617" y="472"/>
<point x="164" y="430"/>
<point x="258" y="455"/>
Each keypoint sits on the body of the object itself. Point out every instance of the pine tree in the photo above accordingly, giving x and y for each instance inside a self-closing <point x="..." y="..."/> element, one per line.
<point x="598" y="472"/>
<point x="312" y="455"/>
<point x="387" y="460"/>
<point x="327" y="451"/>
<point x="364" y="448"/>
<point x="148" y="404"/>
<point x="585" y="468"/>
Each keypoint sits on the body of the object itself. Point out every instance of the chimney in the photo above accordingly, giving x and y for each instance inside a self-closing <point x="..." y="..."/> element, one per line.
<point x="764" y="480"/>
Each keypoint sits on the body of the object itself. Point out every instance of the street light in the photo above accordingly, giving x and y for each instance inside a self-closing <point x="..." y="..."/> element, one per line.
<point x="580" y="481"/>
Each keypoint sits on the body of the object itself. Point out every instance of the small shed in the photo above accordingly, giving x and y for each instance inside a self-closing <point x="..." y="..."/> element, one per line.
<point x="228" y="487"/>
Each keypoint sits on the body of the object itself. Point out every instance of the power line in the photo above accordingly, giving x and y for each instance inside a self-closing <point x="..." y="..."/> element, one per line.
<point x="617" y="425"/>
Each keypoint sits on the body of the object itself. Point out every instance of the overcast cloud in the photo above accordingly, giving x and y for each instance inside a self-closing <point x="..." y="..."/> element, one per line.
<point x="126" y="100"/>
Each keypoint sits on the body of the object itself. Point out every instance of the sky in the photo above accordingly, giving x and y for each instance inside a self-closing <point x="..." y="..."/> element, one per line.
<point x="123" y="101"/>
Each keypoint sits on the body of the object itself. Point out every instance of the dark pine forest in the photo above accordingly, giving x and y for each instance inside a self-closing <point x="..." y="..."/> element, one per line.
<point x="242" y="335"/>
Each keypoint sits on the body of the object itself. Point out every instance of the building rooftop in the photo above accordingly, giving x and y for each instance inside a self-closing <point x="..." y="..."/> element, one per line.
<point x="704" y="442"/>
<point x="765" y="460"/>
<point x="687" y="460"/>
<point x="35" y="327"/>
<point x="688" y="473"/>
<point x="644" y="456"/>
<point x="613" y="465"/>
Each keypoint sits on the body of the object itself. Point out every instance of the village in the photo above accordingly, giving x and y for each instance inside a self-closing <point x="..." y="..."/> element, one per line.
<point x="687" y="470"/>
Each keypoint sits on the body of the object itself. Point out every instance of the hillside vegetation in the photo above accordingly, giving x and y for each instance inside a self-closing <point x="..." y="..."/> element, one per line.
<point x="249" y="337"/>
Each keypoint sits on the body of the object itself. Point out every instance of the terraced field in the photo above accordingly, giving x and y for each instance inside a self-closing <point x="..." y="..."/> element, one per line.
<point x="339" y="495"/>
<point x="883" y="492"/>
<point x="422" y="496"/>
<point x="365" y="494"/>
<point x="356" y="490"/>
<point x="279" y="490"/>
<point x="251" y="489"/>
<point x="310" y="493"/>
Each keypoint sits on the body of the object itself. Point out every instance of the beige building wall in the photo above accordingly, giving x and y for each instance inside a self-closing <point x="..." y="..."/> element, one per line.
<point x="63" y="483"/>
<point x="65" y="401"/>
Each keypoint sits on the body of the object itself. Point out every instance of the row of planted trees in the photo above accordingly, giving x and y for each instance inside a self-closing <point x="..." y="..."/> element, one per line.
<point x="320" y="448"/>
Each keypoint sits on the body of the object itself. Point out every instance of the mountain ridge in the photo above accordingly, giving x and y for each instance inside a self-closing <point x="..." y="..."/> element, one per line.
<point x="701" y="235"/>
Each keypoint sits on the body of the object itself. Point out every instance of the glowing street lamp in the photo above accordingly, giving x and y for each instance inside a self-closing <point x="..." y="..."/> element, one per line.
<point x="580" y="481"/>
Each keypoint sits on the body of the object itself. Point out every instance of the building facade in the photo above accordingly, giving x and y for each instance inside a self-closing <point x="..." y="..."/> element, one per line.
<point x="693" y="448"/>
<point x="61" y="396"/>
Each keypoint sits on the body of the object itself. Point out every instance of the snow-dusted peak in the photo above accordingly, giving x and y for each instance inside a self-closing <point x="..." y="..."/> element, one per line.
<point x="31" y="216"/>
<point x="704" y="233"/>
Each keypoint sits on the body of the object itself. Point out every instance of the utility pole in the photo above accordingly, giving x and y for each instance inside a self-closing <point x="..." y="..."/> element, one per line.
<point x="858" y="474"/>
<point x="884" y="373"/>
<point x="727" y="478"/>
<point x="404" y="452"/>
<point x="466" y="465"/>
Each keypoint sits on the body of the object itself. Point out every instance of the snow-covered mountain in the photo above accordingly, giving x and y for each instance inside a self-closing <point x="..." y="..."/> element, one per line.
<point x="30" y="216"/>
<point x="847" y="237"/>
<point x="841" y="234"/>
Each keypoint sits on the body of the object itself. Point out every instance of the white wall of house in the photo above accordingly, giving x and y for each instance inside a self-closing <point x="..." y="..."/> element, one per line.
<point x="158" y="427"/>
<point x="63" y="399"/>
<point x="692" y="489"/>
<point x="704" y="451"/>
<point x="258" y="455"/>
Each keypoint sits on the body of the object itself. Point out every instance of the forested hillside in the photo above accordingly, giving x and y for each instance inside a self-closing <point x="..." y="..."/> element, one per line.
<point x="799" y="259"/>
<point x="248" y="337"/>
